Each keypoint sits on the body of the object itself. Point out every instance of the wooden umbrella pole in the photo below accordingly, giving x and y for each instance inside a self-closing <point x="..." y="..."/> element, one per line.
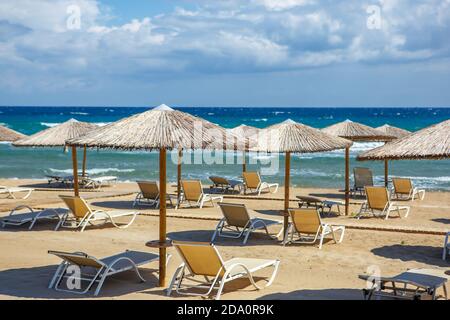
<point x="84" y="161"/>
<point x="162" y="217"/>
<point x="244" y="165"/>
<point x="180" y="157"/>
<point x="347" y="180"/>
<point x="386" y="173"/>
<point x="287" y="174"/>
<point x="75" y="171"/>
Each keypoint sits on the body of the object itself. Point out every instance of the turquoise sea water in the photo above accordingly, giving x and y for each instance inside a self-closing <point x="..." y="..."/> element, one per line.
<point x="311" y="170"/>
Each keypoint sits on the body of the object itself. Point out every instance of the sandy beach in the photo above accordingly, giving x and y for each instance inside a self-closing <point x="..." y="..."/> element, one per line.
<point x="305" y="271"/>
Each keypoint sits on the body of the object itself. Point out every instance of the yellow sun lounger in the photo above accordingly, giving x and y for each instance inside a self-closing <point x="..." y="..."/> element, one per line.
<point x="252" y="181"/>
<point x="149" y="194"/>
<point x="307" y="225"/>
<point x="83" y="215"/>
<point x="379" y="204"/>
<point x="403" y="188"/>
<point x="237" y="223"/>
<point x="193" y="194"/>
<point x="203" y="260"/>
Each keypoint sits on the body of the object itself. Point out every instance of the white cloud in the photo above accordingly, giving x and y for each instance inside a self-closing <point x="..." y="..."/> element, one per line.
<point x="215" y="37"/>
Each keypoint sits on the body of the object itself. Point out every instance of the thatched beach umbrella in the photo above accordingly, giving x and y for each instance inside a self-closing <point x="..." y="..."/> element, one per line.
<point x="393" y="131"/>
<point x="248" y="134"/>
<point x="292" y="137"/>
<point x="162" y="129"/>
<point x="359" y="132"/>
<point x="9" y="135"/>
<point x="430" y="143"/>
<point x="56" y="136"/>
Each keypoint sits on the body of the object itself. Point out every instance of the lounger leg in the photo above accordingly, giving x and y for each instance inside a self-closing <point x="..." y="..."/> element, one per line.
<point x="275" y="270"/>
<point x="56" y="275"/>
<point x="444" y="252"/>
<point x="249" y="230"/>
<point x="322" y="236"/>
<point x="219" y="227"/>
<point x="286" y="234"/>
<point x="175" y="279"/>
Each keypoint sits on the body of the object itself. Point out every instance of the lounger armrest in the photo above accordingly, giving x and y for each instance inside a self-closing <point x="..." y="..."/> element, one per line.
<point x="20" y="208"/>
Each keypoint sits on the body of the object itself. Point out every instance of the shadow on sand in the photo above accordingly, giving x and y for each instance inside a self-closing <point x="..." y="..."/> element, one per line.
<point x="423" y="254"/>
<point x="325" y="294"/>
<point x="33" y="283"/>
<point x="441" y="220"/>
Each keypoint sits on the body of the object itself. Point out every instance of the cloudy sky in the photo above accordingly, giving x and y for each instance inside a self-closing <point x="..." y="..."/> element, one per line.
<point x="225" y="52"/>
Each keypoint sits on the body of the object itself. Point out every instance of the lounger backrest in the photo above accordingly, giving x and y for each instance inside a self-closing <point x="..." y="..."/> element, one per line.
<point x="149" y="189"/>
<point x="77" y="206"/>
<point x="363" y="177"/>
<point x="192" y="189"/>
<point x="79" y="259"/>
<point x="219" y="180"/>
<point x="402" y="185"/>
<point x="377" y="197"/>
<point x="201" y="258"/>
<point x="235" y="214"/>
<point x="306" y="221"/>
<point x="252" y="179"/>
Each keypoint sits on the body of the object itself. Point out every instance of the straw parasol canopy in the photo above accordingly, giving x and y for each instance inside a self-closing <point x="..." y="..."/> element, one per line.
<point x="290" y="136"/>
<point x="161" y="128"/>
<point x="393" y="131"/>
<point x="356" y="132"/>
<point x="57" y="135"/>
<point x="430" y="143"/>
<point x="9" y="135"/>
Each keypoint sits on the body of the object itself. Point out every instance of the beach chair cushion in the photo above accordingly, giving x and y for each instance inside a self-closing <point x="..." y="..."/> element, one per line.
<point x="252" y="179"/>
<point x="192" y="189"/>
<point x="363" y="177"/>
<point x="306" y="221"/>
<point x="235" y="214"/>
<point x="149" y="189"/>
<point x="201" y="258"/>
<point x="77" y="206"/>
<point x="402" y="185"/>
<point x="377" y="198"/>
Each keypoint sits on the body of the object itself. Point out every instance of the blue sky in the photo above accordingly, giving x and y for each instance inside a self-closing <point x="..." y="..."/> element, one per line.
<point x="225" y="53"/>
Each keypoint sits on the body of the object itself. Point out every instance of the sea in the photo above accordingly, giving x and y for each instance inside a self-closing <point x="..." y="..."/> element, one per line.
<point x="307" y="170"/>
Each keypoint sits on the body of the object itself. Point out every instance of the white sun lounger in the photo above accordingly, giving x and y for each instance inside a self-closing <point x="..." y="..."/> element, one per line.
<point x="59" y="179"/>
<point x="414" y="284"/>
<point x="83" y="215"/>
<point x="237" y="223"/>
<point x="100" y="268"/>
<point x="17" y="217"/>
<point x="203" y="260"/>
<point x="97" y="182"/>
<point x="10" y="191"/>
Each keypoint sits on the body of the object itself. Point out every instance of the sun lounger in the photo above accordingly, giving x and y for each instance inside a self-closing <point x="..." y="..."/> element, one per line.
<point x="446" y="250"/>
<point x="204" y="260"/>
<point x="149" y="194"/>
<point x="225" y="184"/>
<point x="193" y="193"/>
<point x="17" y="217"/>
<point x="97" y="182"/>
<point x="252" y="181"/>
<point x="319" y="204"/>
<point x="236" y="223"/>
<point x="307" y="225"/>
<point x="415" y="284"/>
<point x="83" y="215"/>
<point x="404" y="189"/>
<point x="59" y="179"/>
<point x="379" y="204"/>
<point x="93" y="270"/>
<point x="10" y="192"/>
<point x="363" y="177"/>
